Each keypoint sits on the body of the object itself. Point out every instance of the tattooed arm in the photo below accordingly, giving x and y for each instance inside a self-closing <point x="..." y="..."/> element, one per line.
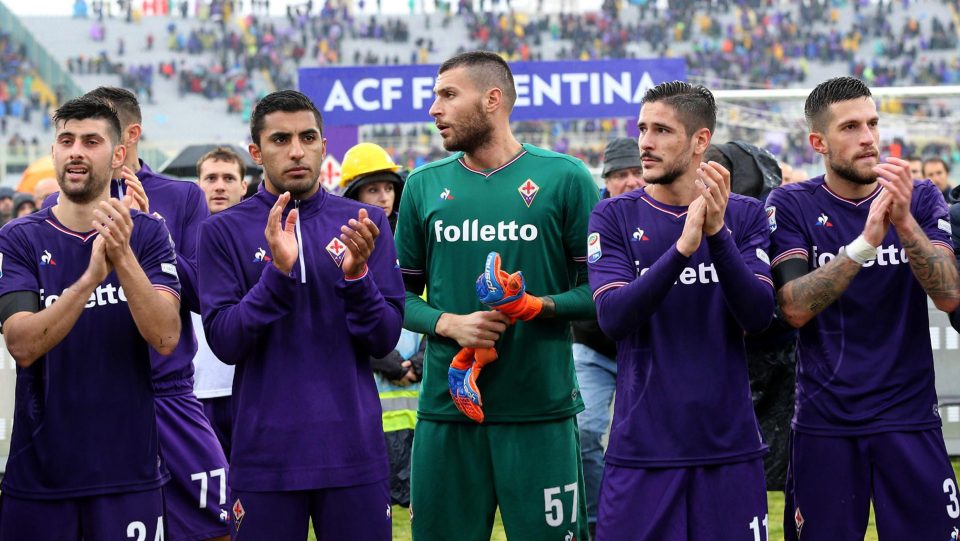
<point x="803" y="296"/>
<point x="935" y="268"/>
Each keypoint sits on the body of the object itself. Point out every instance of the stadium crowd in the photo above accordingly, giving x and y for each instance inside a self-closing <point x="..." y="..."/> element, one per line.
<point x="238" y="58"/>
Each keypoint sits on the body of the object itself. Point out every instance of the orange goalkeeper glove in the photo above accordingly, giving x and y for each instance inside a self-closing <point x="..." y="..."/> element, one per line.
<point x="506" y="293"/>
<point x="462" y="378"/>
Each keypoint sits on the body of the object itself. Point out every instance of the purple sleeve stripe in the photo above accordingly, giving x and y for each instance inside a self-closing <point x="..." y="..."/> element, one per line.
<point x="366" y="270"/>
<point x="764" y="279"/>
<point x="611" y="285"/>
<point x="788" y="253"/>
<point x="169" y="290"/>
<point x="410" y="271"/>
<point x="946" y="245"/>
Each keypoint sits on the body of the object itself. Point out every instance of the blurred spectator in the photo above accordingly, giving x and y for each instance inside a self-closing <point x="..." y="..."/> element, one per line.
<point x="937" y="170"/>
<point x="23" y="204"/>
<point x="43" y="188"/>
<point x="916" y="166"/>
<point x="6" y="204"/>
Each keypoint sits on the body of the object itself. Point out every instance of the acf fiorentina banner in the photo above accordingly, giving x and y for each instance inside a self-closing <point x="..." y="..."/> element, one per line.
<point x="352" y="96"/>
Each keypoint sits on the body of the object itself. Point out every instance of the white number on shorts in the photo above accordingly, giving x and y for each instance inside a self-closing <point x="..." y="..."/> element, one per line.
<point x="950" y="489"/>
<point x="138" y="530"/>
<point x="553" y="507"/>
<point x="202" y="477"/>
<point x="755" y="526"/>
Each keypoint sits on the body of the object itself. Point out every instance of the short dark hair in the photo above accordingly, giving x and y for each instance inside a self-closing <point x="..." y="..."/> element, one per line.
<point x="913" y="158"/>
<point x="223" y="154"/>
<point x="487" y="70"/>
<point x="935" y="159"/>
<point x="829" y="92"/>
<point x="85" y="107"/>
<point x="694" y="104"/>
<point x="122" y="100"/>
<point x="287" y="101"/>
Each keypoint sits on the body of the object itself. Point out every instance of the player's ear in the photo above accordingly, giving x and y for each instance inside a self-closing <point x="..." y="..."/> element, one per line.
<point x="119" y="155"/>
<point x="817" y="142"/>
<point x="254" y="150"/>
<point x="493" y="99"/>
<point x="701" y="140"/>
<point x="134" y="131"/>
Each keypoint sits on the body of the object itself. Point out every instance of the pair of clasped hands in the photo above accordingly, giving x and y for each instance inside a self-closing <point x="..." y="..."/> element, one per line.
<point x="111" y="219"/>
<point x="705" y="213"/>
<point x="358" y="236"/>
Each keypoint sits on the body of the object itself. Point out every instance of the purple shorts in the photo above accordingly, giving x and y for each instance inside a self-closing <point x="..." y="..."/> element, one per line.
<point x="726" y="501"/>
<point x="219" y="412"/>
<point x="831" y="480"/>
<point x="360" y="513"/>
<point x="195" y="499"/>
<point x="134" y="515"/>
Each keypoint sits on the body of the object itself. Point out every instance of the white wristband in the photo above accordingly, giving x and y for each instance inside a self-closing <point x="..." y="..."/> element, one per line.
<point x="861" y="251"/>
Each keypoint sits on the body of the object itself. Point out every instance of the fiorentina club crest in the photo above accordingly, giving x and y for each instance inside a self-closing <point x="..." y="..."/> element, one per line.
<point x="528" y="190"/>
<point x="337" y="249"/>
<point x="238" y="513"/>
<point x="798" y="519"/>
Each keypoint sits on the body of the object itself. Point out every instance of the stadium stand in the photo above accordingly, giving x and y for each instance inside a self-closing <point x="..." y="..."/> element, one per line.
<point x="203" y="58"/>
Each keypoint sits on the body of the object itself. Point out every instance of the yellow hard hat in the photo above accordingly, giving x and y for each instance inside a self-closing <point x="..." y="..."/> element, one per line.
<point x="363" y="159"/>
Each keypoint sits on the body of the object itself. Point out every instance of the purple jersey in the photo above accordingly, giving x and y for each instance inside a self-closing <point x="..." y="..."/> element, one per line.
<point x="683" y="396"/>
<point x="307" y="413"/>
<point x="864" y="364"/>
<point x="183" y="208"/>
<point x="84" y="420"/>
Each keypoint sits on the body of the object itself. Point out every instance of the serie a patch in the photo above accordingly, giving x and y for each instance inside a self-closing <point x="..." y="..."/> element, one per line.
<point x="772" y="218"/>
<point x="594" y="252"/>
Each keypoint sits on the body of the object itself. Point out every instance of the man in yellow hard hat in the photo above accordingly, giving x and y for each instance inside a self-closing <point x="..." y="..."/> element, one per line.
<point x="369" y="175"/>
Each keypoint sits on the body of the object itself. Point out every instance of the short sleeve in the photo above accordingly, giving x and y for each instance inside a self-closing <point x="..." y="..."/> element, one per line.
<point x="155" y="252"/>
<point x="932" y="213"/>
<point x="787" y="237"/>
<point x="18" y="270"/>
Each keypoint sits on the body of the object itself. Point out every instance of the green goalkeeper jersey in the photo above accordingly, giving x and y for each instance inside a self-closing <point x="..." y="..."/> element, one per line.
<point x="534" y="210"/>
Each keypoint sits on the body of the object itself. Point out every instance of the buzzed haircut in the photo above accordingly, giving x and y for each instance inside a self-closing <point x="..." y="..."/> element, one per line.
<point x="122" y="100"/>
<point x="831" y="91"/>
<point x="223" y="154"/>
<point x="946" y="166"/>
<point x="694" y="104"/>
<point x="287" y="101"/>
<point x="487" y="70"/>
<point x="84" y="108"/>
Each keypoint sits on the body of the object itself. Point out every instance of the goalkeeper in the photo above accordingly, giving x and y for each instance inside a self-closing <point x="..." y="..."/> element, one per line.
<point x="532" y="207"/>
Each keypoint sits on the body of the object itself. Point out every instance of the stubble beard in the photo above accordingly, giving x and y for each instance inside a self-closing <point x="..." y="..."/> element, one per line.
<point x="477" y="132"/>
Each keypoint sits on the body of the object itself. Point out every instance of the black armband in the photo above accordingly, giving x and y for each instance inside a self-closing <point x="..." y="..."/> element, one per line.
<point x="18" y="301"/>
<point x="787" y="270"/>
